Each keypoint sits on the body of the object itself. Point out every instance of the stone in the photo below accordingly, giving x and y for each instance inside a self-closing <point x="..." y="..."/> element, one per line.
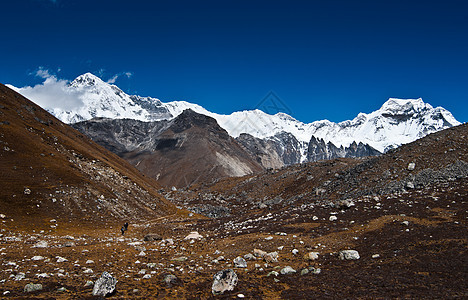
<point x="295" y="251"/>
<point x="27" y="191"/>
<point x="194" y="235"/>
<point x="69" y="244"/>
<point x="249" y="256"/>
<point x="348" y="203"/>
<point x="37" y="257"/>
<point x="62" y="290"/>
<point x="105" y="285"/>
<point x="411" y="166"/>
<point x="181" y="258"/>
<point x="274" y="273"/>
<point x="152" y="237"/>
<point x="271" y="257"/>
<point x="147" y="276"/>
<point x="170" y="279"/>
<point x="61" y="259"/>
<point x="259" y="253"/>
<point x="314" y="218"/>
<point x="32" y="287"/>
<point x="315" y="271"/>
<point x="287" y="270"/>
<point x="225" y="280"/>
<point x="311" y="256"/>
<point x="376" y="256"/>
<point x="89" y="283"/>
<point x="333" y="218"/>
<point x="239" y="262"/>
<point x="304" y="272"/>
<point x="41" y="244"/>
<point x="349" y="255"/>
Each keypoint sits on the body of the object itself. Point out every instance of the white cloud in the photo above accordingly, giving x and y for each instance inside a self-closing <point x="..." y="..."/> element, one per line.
<point x="51" y="94"/>
<point x="114" y="78"/>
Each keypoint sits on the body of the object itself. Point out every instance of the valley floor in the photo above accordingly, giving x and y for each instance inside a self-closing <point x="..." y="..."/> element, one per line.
<point x="412" y="245"/>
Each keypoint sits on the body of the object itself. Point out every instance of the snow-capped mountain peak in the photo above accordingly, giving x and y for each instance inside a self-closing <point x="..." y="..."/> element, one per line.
<point x="394" y="106"/>
<point x="398" y="121"/>
<point x="87" y="79"/>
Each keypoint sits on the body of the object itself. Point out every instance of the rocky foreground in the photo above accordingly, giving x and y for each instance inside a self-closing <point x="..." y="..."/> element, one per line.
<point x="409" y="246"/>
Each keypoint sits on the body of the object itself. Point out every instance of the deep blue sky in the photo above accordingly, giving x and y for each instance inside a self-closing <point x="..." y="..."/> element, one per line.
<point x="325" y="59"/>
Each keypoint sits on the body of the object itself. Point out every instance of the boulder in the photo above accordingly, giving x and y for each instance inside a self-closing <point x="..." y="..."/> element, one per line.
<point x="287" y="270"/>
<point x="194" y="235"/>
<point x="224" y="280"/>
<point x="41" y="244"/>
<point x="32" y="287"/>
<point x="311" y="256"/>
<point x="170" y="280"/>
<point x="105" y="285"/>
<point x="259" y="253"/>
<point x="239" y="262"/>
<point x="349" y="255"/>
<point x="152" y="237"/>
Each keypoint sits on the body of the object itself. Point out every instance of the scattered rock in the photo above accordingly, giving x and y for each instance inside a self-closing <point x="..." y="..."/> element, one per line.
<point x="271" y="257"/>
<point x="89" y="283"/>
<point x="287" y="270"/>
<point x="32" y="287"/>
<point x="181" y="258"/>
<point x="61" y="259"/>
<point x="239" y="262"/>
<point x="315" y="271"/>
<point x="272" y="273"/>
<point x="170" y="280"/>
<point x="152" y="237"/>
<point x="311" y="256"/>
<point x="259" y="253"/>
<point x="344" y="204"/>
<point x="41" y="244"/>
<point x="223" y="281"/>
<point x="249" y="256"/>
<point x="194" y="235"/>
<point x="349" y="255"/>
<point x="69" y="244"/>
<point x="105" y="285"/>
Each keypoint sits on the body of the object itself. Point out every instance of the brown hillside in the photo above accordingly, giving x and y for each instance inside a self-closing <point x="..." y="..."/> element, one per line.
<point x="49" y="171"/>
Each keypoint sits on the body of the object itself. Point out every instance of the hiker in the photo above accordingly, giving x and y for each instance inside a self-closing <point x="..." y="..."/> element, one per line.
<point x="124" y="228"/>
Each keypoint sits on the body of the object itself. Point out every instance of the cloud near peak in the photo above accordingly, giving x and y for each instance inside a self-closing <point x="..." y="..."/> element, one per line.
<point x="52" y="93"/>
<point x="113" y="79"/>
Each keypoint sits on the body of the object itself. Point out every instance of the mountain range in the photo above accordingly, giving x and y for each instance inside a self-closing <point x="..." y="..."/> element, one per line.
<point x="137" y="128"/>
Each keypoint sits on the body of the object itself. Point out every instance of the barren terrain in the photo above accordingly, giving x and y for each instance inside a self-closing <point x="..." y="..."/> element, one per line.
<point x="404" y="212"/>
